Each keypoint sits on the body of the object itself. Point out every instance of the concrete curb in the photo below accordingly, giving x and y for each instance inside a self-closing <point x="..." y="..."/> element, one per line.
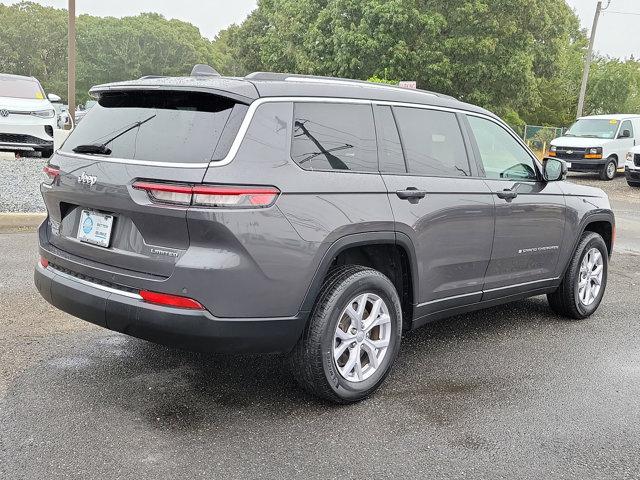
<point x="20" y="221"/>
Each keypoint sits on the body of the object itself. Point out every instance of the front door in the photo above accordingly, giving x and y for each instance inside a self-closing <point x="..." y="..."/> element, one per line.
<point x="529" y="213"/>
<point x="438" y="201"/>
<point x="624" y="143"/>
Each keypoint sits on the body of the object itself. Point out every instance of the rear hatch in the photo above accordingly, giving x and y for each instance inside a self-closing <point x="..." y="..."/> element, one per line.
<point x="143" y="134"/>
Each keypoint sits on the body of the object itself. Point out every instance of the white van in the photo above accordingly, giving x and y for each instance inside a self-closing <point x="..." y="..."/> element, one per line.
<point x="598" y="143"/>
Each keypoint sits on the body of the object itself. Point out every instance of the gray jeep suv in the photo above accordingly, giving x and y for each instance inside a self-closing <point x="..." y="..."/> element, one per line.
<point x="317" y="217"/>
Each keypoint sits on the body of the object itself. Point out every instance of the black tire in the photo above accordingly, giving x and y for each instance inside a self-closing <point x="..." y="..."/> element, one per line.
<point x="312" y="360"/>
<point x="47" y="153"/>
<point x="607" y="172"/>
<point x="633" y="184"/>
<point x="565" y="301"/>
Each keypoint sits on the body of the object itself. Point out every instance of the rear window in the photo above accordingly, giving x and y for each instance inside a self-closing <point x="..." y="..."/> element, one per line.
<point x="334" y="136"/>
<point x="20" y="88"/>
<point x="179" y="127"/>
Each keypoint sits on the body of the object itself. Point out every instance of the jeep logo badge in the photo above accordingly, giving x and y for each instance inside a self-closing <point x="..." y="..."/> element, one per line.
<point x="87" y="179"/>
<point x="4" y="112"/>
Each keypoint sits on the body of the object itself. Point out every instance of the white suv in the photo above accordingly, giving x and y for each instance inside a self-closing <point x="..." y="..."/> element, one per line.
<point x="632" y="167"/>
<point x="27" y="117"/>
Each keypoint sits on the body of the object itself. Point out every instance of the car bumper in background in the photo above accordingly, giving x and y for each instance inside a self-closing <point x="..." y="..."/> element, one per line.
<point x="632" y="174"/>
<point x="26" y="137"/>
<point x="198" y="330"/>
<point x="585" y="165"/>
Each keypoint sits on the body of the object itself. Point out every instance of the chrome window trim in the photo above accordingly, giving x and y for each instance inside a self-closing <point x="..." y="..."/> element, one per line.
<point x="246" y="123"/>
<point x="128" y="161"/>
<point x="97" y="286"/>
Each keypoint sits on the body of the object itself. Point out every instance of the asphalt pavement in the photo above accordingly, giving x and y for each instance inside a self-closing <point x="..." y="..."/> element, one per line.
<point x="512" y="392"/>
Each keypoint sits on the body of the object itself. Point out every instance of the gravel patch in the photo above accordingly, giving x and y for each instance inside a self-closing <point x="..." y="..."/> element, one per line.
<point x="20" y="184"/>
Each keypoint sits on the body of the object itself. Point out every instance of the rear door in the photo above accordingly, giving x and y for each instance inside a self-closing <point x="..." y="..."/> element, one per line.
<point x="530" y="213"/>
<point x="438" y="201"/>
<point x="161" y="136"/>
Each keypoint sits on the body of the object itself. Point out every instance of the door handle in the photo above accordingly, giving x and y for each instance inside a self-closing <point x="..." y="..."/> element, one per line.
<point x="411" y="193"/>
<point x="507" y="194"/>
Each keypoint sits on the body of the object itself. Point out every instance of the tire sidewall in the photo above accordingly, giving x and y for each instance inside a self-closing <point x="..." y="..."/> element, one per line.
<point x="610" y="160"/>
<point x="377" y="285"/>
<point x="595" y="242"/>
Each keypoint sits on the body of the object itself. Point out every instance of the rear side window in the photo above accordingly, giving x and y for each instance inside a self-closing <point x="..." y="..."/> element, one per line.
<point x="334" y="136"/>
<point x="432" y="141"/>
<point x="391" y="155"/>
<point x="182" y="127"/>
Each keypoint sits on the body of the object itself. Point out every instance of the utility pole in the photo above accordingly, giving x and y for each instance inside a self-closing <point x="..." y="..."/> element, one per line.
<point x="71" y="65"/>
<point x="587" y="62"/>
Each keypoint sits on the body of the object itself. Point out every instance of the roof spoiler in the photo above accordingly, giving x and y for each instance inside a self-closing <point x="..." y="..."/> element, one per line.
<point x="202" y="70"/>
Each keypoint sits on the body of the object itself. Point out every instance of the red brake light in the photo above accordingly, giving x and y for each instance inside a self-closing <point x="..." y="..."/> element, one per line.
<point x="51" y="171"/>
<point x="44" y="262"/>
<point x="170" y="300"/>
<point x="166" y="192"/>
<point x="218" y="196"/>
<point x="222" y="196"/>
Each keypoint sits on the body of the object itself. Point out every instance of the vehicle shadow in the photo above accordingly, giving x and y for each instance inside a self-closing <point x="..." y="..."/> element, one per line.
<point x="174" y="389"/>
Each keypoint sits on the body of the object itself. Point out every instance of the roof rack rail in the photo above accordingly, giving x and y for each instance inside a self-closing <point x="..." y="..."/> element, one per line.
<point x="147" y="77"/>
<point x="202" y="70"/>
<point x="294" y="77"/>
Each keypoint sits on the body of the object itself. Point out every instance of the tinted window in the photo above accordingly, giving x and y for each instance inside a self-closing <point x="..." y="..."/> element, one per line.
<point x="432" y="142"/>
<point x="183" y="127"/>
<point x="502" y="156"/>
<point x="334" y="136"/>
<point x="626" y="125"/>
<point x="391" y="155"/>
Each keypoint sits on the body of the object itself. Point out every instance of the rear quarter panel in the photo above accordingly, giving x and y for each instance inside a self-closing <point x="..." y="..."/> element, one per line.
<point x="281" y="248"/>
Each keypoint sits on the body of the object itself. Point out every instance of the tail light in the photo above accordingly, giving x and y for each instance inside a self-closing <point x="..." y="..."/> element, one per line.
<point x="44" y="262"/>
<point x="170" y="300"/>
<point x="214" y="196"/>
<point x="51" y="171"/>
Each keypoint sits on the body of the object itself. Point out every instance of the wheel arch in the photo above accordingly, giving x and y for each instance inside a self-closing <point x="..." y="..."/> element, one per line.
<point x="354" y="249"/>
<point x="603" y="223"/>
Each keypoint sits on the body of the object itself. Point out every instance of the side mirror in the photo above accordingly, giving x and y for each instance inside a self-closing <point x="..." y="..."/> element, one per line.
<point x="555" y="169"/>
<point x="54" y="98"/>
<point x="625" y="134"/>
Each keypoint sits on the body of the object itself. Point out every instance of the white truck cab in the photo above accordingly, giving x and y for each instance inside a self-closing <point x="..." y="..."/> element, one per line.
<point x="598" y="143"/>
<point x="632" y="167"/>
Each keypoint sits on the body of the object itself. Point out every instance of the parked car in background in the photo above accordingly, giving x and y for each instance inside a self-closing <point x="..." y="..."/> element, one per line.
<point x="62" y="112"/>
<point x="598" y="143"/>
<point x="83" y="110"/>
<point x="632" y="167"/>
<point x="27" y="116"/>
<point x="314" y="216"/>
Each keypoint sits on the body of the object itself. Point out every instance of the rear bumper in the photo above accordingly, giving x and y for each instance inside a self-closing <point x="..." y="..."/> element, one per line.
<point x="125" y="312"/>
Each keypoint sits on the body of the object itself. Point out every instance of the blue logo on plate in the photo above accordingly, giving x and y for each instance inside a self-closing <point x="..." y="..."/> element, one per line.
<point x="87" y="225"/>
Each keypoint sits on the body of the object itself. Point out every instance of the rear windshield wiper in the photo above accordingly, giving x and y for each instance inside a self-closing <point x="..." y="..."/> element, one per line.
<point x="101" y="148"/>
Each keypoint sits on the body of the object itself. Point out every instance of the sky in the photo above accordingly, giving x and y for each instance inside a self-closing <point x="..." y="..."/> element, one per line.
<point x="617" y="35"/>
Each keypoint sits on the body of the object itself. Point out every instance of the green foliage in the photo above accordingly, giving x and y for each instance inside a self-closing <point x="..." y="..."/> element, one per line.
<point x="109" y="49"/>
<point x="376" y="79"/>
<point x="522" y="59"/>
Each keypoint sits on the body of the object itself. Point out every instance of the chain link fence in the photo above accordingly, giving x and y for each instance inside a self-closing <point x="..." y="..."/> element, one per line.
<point x="538" y="137"/>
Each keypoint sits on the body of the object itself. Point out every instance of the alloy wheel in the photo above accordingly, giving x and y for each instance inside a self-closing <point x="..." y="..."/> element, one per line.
<point x="362" y="337"/>
<point x="590" y="277"/>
